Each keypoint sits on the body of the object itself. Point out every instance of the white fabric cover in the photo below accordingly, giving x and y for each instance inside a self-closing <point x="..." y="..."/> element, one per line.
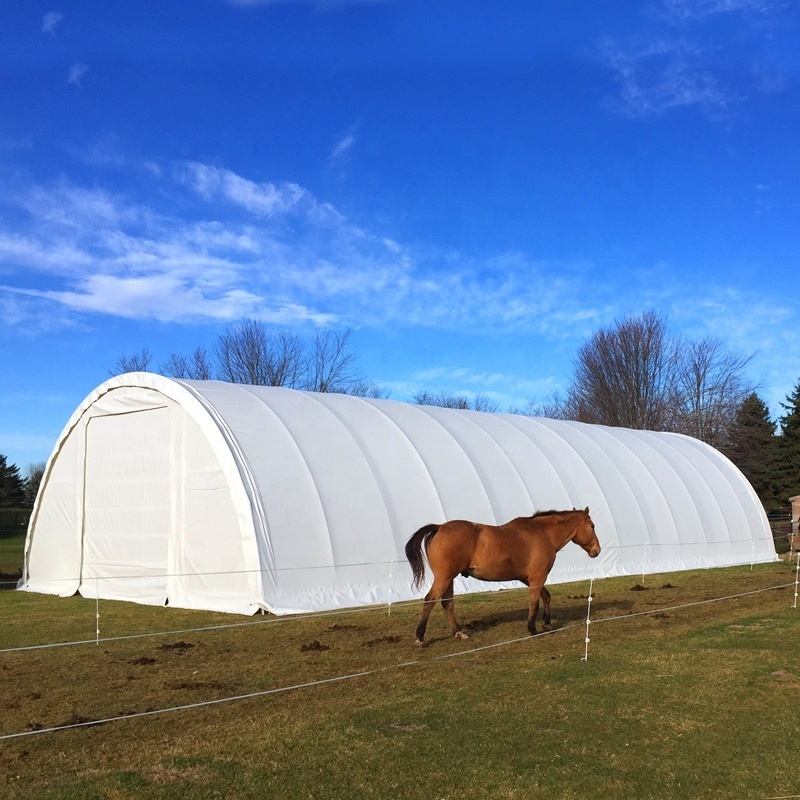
<point x="213" y="495"/>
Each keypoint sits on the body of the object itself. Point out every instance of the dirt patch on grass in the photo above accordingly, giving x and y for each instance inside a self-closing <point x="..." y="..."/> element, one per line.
<point x="785" y="676"/>
<point x="179" y="647"/>
<point x="314" y="646"/>
<point x="73" y="721"/>
<point x="649" y="680"/>
<point x="383" y="640"/>
<point x="485" y="624"/>
<point x="190" y="684"/>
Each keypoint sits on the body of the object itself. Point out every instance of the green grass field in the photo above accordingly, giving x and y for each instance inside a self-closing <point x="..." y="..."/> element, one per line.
<point x="683" y="702"/>
<point x="11" y="550"/>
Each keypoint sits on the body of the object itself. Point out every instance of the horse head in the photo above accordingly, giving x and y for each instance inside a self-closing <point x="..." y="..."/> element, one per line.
<point x="585" y="535"/>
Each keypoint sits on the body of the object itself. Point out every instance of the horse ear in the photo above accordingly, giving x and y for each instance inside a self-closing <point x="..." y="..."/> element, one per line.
<point x="586" y="510"/>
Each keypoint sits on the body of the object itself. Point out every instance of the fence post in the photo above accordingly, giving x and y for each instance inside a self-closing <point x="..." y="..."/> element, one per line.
<point x="588" y="621"/>
<point x="391" y="571"/>
<point x="644" y="562"/>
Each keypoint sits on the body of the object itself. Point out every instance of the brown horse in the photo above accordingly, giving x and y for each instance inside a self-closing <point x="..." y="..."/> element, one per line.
<point x="521" y="550"/>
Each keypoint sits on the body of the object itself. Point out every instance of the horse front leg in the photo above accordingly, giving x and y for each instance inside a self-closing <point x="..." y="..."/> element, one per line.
<point x="546" y="609"/>
<point x="536" y="590"/>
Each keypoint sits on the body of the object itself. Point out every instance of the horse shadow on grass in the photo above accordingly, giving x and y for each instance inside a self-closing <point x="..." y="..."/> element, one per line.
<point x="565" y="614"/>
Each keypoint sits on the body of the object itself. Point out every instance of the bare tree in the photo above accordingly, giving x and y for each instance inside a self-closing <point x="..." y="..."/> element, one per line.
<point x="364" y="388"/>
<point x="553" y="407"/>
<point x="480" y="402"/>
<point x="625" y="375"/>
<point x="197" y="367"/>
<point x="441" y="399"/>
<point x="634" y="374"/>
<point x="711" y="388"/>
<point x="248" y="353"/>
<point x="287" y="359"/>
<point x="329" y="365"/>
<point x="242" y="354"/>
<point x="138" y="362"/>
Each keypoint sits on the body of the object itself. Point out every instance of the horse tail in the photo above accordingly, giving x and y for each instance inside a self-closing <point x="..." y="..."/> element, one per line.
<point x="414" y="551"/>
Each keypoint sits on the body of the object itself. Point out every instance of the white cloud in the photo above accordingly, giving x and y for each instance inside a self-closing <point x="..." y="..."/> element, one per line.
<point x="50" y="21"/>
<point x="54" y="257"/>
<point x="279" y="254"/>
<point x="505" y="389"/>
<point x="119" y="258"/>
<point x="688" y="57"/>
<point x="76" y="74"/>
<point x="264" y="250"/>
<point x="104" y="152"/>
<point x="662" y="76"/>
<point x="343" y="146"/>
<point x="164" y="297"/>
<point x="76" y="207"/>
<point x="681" y="11"/>
<point x="267" y="199"/>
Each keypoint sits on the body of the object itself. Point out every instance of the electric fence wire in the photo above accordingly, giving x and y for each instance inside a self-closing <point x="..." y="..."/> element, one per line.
<point x="375" y="671"/>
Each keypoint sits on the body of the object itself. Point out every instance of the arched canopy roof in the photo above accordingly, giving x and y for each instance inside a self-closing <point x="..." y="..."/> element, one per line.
<point x="216" y="495"/>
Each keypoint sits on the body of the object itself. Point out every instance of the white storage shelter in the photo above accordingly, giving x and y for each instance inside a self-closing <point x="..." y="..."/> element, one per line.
<point x="219" y="496"/>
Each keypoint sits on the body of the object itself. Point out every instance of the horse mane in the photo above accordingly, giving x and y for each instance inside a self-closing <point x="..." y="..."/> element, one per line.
<point x="550" y="513"/>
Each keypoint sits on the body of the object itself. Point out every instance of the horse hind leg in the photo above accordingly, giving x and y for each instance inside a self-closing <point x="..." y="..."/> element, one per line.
<point x="448" y="605"/>
<point x="443" y="592"/>
<point x="436" y="592"/>
<point x="427" y="607"/>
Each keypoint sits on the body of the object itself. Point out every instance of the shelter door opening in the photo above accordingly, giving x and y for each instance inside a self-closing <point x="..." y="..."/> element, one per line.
<point x="127" y="506"/>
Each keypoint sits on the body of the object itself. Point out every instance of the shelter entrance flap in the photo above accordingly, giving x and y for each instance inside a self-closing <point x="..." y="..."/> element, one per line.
<point x="127" y="506"/>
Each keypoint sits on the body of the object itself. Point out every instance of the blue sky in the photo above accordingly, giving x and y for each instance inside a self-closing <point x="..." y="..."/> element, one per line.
<point x="473" y="187"/>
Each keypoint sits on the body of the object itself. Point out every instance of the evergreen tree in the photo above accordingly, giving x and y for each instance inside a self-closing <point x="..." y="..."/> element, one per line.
<point x="33" y="479"/>
<point x="789" y="447"/>
<point x="753" y="447"/>
<point x="12" y="487"/>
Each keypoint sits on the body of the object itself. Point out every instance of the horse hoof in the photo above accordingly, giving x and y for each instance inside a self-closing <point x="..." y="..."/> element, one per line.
<point x="461" y="635"/>
<point x="547" y="627"/>
<point x="419" y="643"/>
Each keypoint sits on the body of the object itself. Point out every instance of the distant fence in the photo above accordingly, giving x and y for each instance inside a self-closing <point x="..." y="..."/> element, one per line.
<point x="13" y="521"/>
<point x="781" y="524"/>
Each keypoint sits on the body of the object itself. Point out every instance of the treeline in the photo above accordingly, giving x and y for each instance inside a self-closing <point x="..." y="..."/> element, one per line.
<point x="768" y="453"/>
<point x="253" y="354"/>
<point x="633" y="374"/>
<point x="636" y="374"/>
<point x="16" y="490"/>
